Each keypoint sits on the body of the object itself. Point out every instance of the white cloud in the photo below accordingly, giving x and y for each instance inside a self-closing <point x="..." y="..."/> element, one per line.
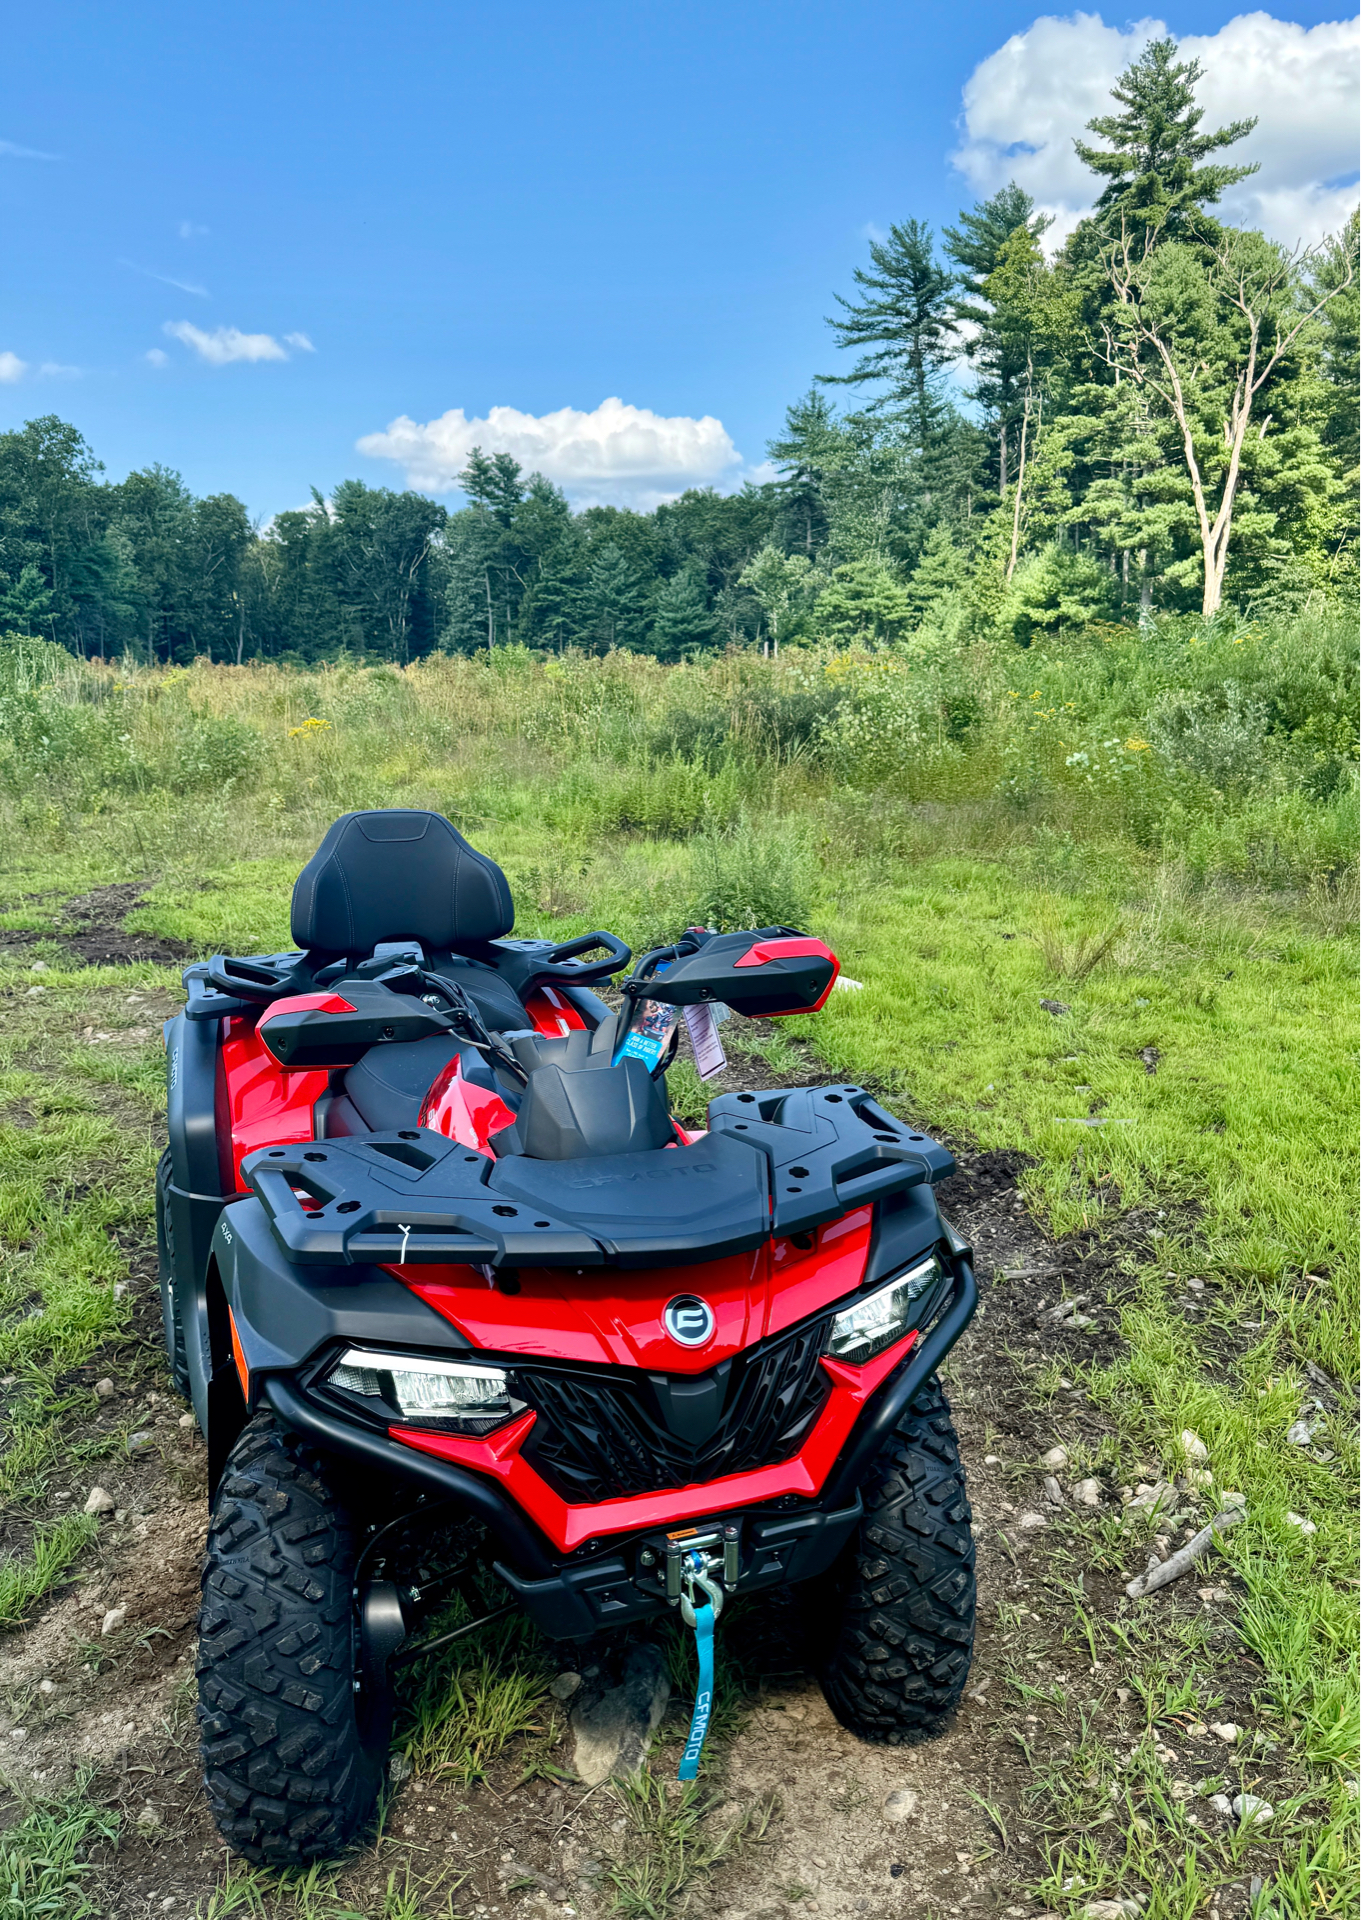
<point x="12" y="367"/>
<point x="55" y="370"/>
<point x="12" y="151"/>
<point x="158" y="357"/>
<point x="225" y="344"/>
<point x="190" y="230"/>
<point x="618" y="454"/>
<point x="300" y="341"/>
<point x="1025" y="104"/>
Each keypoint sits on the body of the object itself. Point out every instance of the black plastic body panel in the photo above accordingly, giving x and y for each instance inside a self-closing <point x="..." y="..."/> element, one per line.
<point x="194" y="1196"/>
<point x="285" y="1313"/>
<point x="777" y="1550"/>
<point x="587" y="1110"/>
<point x="906" y="1226"/>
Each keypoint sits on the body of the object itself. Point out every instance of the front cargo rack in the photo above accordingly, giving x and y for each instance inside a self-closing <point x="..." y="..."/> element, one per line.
<point x="771" y="1164"/>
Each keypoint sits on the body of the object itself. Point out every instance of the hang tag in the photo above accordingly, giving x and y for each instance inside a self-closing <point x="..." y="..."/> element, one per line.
<point x="702" y="1027"/>
<point x="649" y="1038"/>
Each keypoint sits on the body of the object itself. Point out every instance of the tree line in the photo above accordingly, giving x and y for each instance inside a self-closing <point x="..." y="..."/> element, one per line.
<point x="1160" y="415"/>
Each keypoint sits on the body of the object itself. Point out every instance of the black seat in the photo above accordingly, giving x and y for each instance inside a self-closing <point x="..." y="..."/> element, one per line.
<point x="399" y="874"/>
<point x="387" y="1088"/>
<point x="396" y="874"/>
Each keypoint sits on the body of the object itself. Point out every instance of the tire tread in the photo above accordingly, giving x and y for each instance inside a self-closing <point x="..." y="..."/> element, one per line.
<point x="288" y="1777"/>
<point x="903" y="1598"/>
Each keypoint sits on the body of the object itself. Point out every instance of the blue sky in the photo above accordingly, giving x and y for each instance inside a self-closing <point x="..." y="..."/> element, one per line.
<point x="531" y="207"/>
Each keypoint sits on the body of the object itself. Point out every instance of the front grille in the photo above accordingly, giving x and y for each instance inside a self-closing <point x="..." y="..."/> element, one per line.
<point x="603" y="1433"/>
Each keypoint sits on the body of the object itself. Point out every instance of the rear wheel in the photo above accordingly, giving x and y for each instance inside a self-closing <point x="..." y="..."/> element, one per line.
<point x="895" y="1617"/>
<point x="173" y="1327"/>
<point x="290" y="1775"/>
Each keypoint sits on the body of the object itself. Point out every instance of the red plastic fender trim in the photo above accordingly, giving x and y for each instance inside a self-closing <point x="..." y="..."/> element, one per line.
<point x="568" y="1526"/>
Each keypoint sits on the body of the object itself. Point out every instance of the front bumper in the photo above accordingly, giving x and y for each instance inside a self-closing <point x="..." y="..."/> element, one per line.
<point x="595" y="1575"/>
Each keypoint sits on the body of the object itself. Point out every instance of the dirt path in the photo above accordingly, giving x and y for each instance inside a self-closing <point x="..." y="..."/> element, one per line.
<point x="102" y="1682"/>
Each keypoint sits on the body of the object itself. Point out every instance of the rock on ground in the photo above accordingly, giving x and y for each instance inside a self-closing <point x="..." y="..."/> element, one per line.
<point x="612" y="1730"/>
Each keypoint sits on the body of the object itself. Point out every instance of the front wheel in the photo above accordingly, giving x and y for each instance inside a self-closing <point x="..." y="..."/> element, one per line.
<point x="894" y="1619"/>
<point x="290" y="1774"/>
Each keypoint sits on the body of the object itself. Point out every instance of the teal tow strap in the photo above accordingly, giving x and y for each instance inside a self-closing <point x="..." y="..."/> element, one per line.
<point x="704" y="1695"/>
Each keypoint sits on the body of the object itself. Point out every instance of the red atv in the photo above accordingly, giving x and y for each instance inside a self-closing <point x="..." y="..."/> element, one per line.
<point x="455" y="1298"/>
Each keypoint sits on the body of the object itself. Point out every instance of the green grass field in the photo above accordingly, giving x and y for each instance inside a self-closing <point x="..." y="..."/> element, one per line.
<point x="1103" y="828"/>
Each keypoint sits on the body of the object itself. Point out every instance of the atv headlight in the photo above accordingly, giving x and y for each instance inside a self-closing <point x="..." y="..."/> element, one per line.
<point x="471" y="1395"/>
<point x="883" y="1316"/>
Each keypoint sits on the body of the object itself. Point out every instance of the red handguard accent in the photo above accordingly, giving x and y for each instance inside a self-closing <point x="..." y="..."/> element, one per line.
<point x="792" y="949"/>
<point x="306" y="1003"/>
<point x="764" y="950"/>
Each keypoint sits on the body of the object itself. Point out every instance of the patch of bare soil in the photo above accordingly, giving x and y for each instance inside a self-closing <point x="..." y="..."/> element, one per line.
<point x="947" y="1827"/>
<point x="91" y="930"/>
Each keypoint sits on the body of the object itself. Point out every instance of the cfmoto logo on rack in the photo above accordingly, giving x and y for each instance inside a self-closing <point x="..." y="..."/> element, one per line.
<point x="689" y="1320"/>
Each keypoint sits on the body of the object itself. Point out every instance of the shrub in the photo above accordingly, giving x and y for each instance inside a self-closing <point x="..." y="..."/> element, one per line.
<point x="749" y="877"/>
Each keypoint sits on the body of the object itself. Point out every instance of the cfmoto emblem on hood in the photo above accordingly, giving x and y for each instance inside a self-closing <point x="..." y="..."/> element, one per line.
<point x="689" y="1320"/>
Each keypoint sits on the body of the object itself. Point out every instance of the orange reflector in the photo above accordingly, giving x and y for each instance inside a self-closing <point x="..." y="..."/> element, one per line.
<point x="242" y="1370"/>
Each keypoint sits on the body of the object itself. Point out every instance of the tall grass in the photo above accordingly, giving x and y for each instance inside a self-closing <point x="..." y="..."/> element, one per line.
<point x="1229" y="749"/>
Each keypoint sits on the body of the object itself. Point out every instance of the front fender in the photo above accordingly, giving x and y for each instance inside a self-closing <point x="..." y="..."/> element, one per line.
<point x="285" y="1314"/>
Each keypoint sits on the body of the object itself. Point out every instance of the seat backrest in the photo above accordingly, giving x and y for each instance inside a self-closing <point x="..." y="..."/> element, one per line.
<point x="398" y="874"/>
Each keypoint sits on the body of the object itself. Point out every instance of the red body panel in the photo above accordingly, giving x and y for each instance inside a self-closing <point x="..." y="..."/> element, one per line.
<point x="766" y="950"/>
<point x="463" y="1111"/>
<point x="305" y="1003"/>
<point x="552" y="1012"/>
<point x="609" y="1317"/>
<point x="266" y="1107"/>
<point x="568" y="1526"/>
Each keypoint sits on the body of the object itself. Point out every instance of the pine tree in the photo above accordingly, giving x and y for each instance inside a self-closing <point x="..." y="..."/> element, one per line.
<point x="863" y="604"/>
<point x="681" y="620"/>
<point x="1335" y="272"/>
<point x="943" y="570"/>
<point x="25" y="603"/>
<point x="612" y="602"/>
<point x="977" y="245"/>
<point x="905" y="330"/>
<point x="1156" y="182"/>
<point x="550" y="612"/>
<point x="807" y="454"/>
<point x="494" y="484"/>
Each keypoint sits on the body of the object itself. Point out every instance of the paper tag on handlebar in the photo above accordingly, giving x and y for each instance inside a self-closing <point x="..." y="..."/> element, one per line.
<point x="650" y="1035"/>
<point x="701" y="1024"/>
